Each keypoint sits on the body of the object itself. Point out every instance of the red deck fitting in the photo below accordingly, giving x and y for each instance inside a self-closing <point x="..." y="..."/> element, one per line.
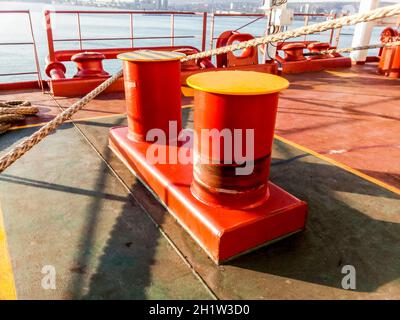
<point x="149" y="108"/>
<point x="89" y="65"/>
<point x="295" y="62"/>
<point x="317" y="47"/>
<point x="220" y="98"/>
<point x="73" y="87"/>
<point x="294" y="51"/>
<point x="226" y="212"/>
<point x="389" y="64"/>
<point x="223" y="233"/>
<point x="315" y="65"/>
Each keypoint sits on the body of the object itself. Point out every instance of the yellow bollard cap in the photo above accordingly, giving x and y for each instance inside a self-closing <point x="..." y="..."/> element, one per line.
<point x="237" y="82"/>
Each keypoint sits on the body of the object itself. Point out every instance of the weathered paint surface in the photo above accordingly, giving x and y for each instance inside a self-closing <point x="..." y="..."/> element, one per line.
<point x="350" y="115"/>
<point x="63" y="206"/>
<point x="351" y="221"/>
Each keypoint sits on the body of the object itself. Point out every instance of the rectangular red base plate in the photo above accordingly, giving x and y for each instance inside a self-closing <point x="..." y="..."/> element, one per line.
<point x="75" y="87"/>
<point x="315" y="65"/>
<point x="222" y="233"/>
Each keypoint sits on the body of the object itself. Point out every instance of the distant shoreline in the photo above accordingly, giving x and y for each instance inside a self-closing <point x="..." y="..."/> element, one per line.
<point x="247" y="6"/>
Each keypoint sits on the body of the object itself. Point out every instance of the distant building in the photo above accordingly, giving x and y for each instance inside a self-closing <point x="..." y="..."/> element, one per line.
<point x="162" y="4"/>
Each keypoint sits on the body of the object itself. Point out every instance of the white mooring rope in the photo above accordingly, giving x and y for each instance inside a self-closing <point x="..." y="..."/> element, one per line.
<point x="350" y="49"/>
<point x="379" y="13"/>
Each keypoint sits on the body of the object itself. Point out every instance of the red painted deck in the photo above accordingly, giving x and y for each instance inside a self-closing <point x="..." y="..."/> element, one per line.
<point x="350" y="115"/>
<point x="113" y="230"/>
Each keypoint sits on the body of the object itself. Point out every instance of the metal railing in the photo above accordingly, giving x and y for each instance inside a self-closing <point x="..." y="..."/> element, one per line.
<point x="31" y="43"/>
<point x="131" y="36"/>
<point x="259" y="16"/>
<point x="80" y="39"/>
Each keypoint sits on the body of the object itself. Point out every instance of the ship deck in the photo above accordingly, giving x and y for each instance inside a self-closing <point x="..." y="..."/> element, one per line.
<point x="70" y="203"/>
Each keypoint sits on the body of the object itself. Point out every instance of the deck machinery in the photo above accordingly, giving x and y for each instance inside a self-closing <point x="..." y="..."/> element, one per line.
<point x="214" y="180"/>
<point x="71" y="204"/>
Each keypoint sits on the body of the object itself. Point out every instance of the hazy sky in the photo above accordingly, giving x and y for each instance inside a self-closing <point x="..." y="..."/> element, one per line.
<point x="290" y="1"/>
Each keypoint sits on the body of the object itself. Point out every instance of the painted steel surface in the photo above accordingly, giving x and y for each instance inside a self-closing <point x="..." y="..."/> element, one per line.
<point x="249" y="56"/>
<point x="294" y="60"/>
<point x="231" y="102"/>
<point x="294" y="51"/>
<point x="317" y="47"/>
<point x="239" y="83"/>
<point x="152" y="91"/>
<point x="89" y="64"/>
<point x="223" y="233"/>
<point x="389" y="63"/>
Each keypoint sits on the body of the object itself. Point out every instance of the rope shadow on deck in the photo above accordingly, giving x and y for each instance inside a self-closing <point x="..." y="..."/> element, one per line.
<point x="343" y="228"/>
<point x="137" y="262"/>
<point x="351" y="221"/>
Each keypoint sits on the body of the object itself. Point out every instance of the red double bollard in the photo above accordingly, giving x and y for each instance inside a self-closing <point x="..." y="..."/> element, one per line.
<point x="294" y="51"/>
<point x="226" y="212"/>
<point x="317" y="48"/>
<point x="89" y="65"/>
<point x="389" y="63"/>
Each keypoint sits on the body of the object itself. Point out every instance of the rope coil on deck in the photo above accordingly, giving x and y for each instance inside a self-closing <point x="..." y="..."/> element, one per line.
<point x="13" y="103"/>
<point x="15" y="110"/>
<point x="10" y="117"/>
<point x="13" y="155"/>
<point x="19" y="110"/>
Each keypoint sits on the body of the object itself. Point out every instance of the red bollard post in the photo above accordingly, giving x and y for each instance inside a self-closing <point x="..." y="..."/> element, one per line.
<point x="317" y="47"/>
<point x="152" y="91"/>
<point x="228" y="101"/>
<point x="89" y="65"/>
<point x="55" y="70"/>
<point x="227" y="214"/>
<point x="389" y="63"/>
<point x="294" y="51"/>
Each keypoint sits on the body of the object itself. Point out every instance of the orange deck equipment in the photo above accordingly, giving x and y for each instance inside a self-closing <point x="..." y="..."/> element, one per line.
<point x="225" y="213"/>
<point x="152" y="91"/>
<point x="239" y="109"/>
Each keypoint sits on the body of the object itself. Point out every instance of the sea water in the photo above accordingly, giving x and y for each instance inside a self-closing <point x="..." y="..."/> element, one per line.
<point x="15" y="28"/>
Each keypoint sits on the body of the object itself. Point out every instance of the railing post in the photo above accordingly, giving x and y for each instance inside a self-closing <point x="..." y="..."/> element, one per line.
<point x="131" y="27"/>
<point x="172" y="29"/>
<point x="79" y="30"/>
<point x="49" y="32"/>
<point x="332" y="30"/>
<point x="307" y="10"/>
<point x="338" y="33"/>
<point x="212" y="31"/>
<point x="305" y="24"/>
<point x="35" y="53"/>
<point x="204" y="36"/>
